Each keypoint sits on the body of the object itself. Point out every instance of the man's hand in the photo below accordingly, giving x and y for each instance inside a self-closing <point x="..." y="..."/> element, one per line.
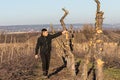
<point x="64" y="32"/>
<point x="36" y="56"/>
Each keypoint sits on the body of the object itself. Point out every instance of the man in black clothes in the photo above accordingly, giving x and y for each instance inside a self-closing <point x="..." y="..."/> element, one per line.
<point x="44" y="43"/>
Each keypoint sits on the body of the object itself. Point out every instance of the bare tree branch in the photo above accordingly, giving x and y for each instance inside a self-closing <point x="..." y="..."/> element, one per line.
<point x="62" y="19"/>
<point x="98" y="5"/>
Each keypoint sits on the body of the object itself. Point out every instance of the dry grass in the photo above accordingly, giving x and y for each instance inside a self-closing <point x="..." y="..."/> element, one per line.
<point x="17" y="56"/>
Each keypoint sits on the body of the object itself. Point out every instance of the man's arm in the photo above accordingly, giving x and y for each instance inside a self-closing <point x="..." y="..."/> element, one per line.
<point x="37" y="46"/>
<point x="58" y="34"/>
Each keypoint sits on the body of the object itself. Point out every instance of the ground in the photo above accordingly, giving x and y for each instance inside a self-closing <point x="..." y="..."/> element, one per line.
<point x="64" y="74"/>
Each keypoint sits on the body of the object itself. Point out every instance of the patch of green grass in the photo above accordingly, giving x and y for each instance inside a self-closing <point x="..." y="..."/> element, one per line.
<point x="112" y="74"/>
<point x="109" y="73"/>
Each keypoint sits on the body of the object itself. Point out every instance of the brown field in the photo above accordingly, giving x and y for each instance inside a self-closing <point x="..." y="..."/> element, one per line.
<point x="17" y="60"/>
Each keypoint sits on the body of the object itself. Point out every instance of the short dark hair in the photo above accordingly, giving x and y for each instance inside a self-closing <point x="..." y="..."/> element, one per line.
<point x="44" y="29"/>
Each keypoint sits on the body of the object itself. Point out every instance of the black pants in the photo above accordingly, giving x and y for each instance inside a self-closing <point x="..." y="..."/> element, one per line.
<point x="45" y="58"/>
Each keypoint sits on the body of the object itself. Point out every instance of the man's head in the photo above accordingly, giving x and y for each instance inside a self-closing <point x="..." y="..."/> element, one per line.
<point x="44" y="32"/>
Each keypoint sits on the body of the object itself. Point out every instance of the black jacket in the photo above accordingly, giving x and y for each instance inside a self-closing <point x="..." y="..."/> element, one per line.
<point x="44" y="43"/>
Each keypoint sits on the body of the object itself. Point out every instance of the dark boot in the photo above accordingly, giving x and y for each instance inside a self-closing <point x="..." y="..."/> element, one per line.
<point x="45" y="74"/>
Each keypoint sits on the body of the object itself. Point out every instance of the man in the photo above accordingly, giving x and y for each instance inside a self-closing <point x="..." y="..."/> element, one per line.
<point x="44" y="43"/>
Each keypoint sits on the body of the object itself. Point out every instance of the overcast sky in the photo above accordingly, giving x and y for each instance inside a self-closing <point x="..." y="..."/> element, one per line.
<point x="22" y="12"/>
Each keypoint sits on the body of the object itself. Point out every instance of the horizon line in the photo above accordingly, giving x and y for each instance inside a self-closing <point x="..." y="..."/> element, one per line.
<point x="55" y="24"/>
